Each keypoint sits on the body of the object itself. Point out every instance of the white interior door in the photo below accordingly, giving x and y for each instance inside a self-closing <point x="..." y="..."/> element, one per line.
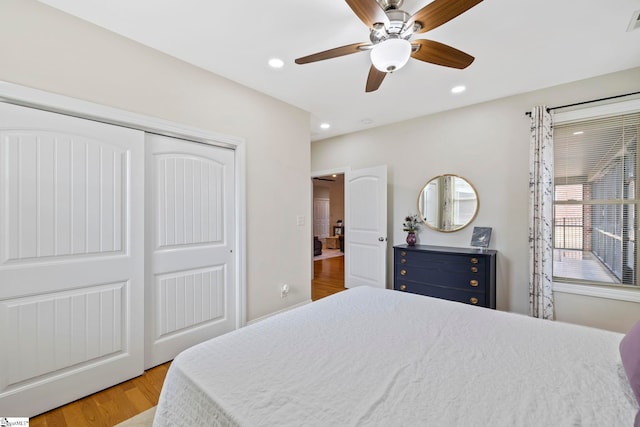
<point x="71" y="258"/>
<point x="366" y="227"/>
<point x="321" y="209"/>
<point x="191" y="286"/>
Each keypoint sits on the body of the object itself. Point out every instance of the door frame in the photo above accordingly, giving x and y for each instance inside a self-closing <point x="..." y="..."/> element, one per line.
<point x="28" y="97"/>
<point x="346" y="171"/>
<point x="317" y="174"/>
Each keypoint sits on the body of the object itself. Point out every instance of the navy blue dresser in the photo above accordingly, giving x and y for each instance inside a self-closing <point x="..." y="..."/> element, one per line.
<point x="457" y="274"/>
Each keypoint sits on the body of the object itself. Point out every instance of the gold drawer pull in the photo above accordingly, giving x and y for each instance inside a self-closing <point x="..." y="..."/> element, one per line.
<point x="403" y="253"/>
<point x="403" y="261"/>
<point x="473" y="300"/>
<point x="473" y="283"/>
<point x="474" y="260"/>
<point x="403" y="287"/>
<point x="474" y="269"/>
<point x="403" y="272"/>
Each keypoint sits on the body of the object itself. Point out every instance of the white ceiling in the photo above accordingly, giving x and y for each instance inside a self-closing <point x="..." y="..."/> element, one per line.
<point x="519" y="46"/>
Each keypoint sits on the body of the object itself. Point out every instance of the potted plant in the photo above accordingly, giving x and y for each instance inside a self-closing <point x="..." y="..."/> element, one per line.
<point x="411" y="224"/>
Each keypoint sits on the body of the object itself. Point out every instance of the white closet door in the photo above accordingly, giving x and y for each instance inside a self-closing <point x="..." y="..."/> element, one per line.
<point x="71" y="258"/>
<point x="191" y="285"/>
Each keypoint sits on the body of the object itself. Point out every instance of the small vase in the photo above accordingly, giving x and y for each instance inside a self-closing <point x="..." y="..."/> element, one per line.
<point x="411" y="238"/>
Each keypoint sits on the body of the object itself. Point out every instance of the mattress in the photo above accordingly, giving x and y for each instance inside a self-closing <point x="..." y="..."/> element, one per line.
<point x="377" y="357"/>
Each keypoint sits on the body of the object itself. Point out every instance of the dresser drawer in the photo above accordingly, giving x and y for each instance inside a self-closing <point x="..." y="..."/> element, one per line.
<point x="473" y="298"/>
<point x="443" y="275"/>
<point x="466" y="262"/>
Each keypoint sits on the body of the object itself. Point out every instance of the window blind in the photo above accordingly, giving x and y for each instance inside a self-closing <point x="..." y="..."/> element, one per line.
<point x="596" y="202"/>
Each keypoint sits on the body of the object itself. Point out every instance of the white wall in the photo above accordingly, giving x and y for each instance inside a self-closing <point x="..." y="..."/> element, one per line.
<point x="487" y="144"/>
<point x="46" y="49"/>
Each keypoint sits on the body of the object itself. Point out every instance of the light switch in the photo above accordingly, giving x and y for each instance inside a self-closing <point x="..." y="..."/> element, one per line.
<point x="300" y="220"/>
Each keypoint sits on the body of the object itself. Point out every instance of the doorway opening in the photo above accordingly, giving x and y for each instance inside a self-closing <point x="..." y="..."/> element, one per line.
<point x="328" y="235"/>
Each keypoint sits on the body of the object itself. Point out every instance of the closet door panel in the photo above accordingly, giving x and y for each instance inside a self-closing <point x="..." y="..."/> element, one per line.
<point x="191" y="288"/>
<point x="71" y="258"/>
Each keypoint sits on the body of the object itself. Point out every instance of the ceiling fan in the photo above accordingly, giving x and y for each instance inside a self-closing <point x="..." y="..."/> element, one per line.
<point x="391" y="30"/>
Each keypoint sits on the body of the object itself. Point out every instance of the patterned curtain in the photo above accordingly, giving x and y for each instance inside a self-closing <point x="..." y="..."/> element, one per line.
<point x="541" y="214"/>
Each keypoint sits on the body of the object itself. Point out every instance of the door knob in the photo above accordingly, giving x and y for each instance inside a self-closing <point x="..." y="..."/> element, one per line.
<point x="380" y="239"/>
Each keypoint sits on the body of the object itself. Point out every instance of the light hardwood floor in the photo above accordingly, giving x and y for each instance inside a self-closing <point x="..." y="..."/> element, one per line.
<point x="328" y="277"/>
<point x="109" y="407"/>
<point x="116" y="404"/>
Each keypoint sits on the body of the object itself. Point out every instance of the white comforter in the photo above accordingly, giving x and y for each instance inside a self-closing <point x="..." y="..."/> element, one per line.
<point x="373" y="357"/>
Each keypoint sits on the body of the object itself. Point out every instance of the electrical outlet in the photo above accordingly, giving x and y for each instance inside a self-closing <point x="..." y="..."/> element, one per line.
<point x="284" y="290"/>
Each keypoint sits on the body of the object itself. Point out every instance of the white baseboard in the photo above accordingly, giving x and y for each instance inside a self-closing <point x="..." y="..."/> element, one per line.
<point x="291" y="307"/>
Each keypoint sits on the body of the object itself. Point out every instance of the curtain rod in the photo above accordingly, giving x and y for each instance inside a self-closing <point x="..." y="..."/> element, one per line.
<point x="528" y="113"/>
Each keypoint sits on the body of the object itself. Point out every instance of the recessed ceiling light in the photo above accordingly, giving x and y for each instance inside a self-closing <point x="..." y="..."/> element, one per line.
<point x="276" y="63"/>
<point x="578" y="132"/>
<point x="325" y="126"/>
<point x="458" y="89"/>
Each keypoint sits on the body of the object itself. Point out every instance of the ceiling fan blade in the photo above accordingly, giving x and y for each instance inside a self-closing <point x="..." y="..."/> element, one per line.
<point x="332" y="53"/>
<point x="438" y="12"/>
<point x="441" y="54"/>
<point x="369" y="12"/>
<point x="375" y="79"/>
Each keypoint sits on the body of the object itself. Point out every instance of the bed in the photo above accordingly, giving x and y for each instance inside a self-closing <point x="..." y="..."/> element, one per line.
<point x="377" y="357"/>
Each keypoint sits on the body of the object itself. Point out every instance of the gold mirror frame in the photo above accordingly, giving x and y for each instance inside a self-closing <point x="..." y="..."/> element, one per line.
<point x="443" y="211"/>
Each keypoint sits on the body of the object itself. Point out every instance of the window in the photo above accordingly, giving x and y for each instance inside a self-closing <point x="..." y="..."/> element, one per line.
<point x="596" y="164"/>
<point x="464" y="202"/>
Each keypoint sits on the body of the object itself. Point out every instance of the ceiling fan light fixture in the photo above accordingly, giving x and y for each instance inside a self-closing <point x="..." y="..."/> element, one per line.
<point x="391" y="54"/>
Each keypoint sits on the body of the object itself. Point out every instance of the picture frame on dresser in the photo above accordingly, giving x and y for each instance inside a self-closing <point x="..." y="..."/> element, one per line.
<point x="481" y="237"/>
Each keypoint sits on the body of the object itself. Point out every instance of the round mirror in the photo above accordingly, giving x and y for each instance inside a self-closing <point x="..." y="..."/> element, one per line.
<point x="448" y="203"/>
